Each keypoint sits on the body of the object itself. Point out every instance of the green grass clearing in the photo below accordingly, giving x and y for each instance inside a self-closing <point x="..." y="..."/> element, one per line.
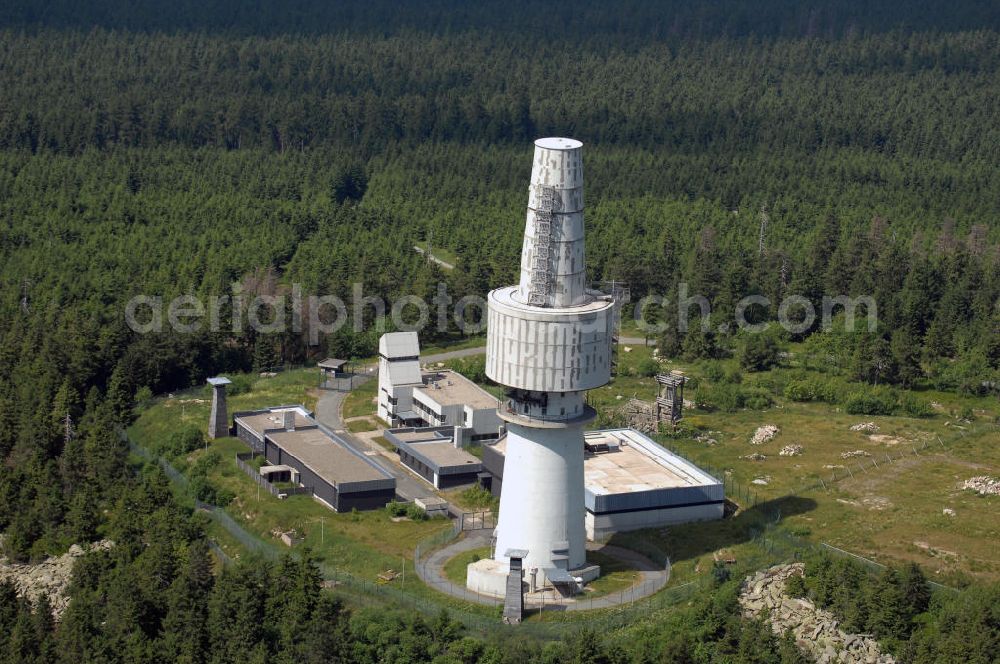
<point x="361" y="400"/>
<point x="359" y="426"/>
<point x="454" y="569"/>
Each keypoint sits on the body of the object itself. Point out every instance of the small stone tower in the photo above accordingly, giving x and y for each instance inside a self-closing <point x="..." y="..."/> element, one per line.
<point x="218" y="421"/>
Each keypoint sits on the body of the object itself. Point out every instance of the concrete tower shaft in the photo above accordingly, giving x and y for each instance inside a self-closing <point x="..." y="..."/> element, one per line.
<point x="548" y="340"/>
<point x="553" y="266"/>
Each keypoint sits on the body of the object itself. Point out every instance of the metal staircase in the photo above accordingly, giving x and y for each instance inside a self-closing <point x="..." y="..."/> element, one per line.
<point x="541" y="260"/>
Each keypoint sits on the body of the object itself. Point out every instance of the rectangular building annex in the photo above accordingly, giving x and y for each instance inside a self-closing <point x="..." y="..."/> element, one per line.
<point x="449" y="398"/>
<point x="410" y="397"/>
<point x="631" y="482"/>
<point x="431" y="453"/>
<point x="340" y="476"/>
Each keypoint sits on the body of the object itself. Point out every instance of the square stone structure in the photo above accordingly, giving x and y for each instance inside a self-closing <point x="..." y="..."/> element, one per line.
<point x="218" y="421"/>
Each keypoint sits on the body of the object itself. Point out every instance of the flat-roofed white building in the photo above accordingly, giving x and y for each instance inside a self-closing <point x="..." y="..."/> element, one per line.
<point x="409" y="397"/>
<point x="447" y="398"/>
<point x="631" y="482"/>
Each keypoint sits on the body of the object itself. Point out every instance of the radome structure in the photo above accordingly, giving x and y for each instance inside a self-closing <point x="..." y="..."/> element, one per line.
<point x="549" y="340"/>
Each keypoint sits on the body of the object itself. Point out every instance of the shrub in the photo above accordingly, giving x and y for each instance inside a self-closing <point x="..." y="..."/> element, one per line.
<point x="206" y="492"/>
<point x="206" y="462"/>
<point x="714" y="372"/>
<point x="795" y="586"/>
<point x="223" y="497"/>
<point x="801" y="390"/>
<point x="415" y="513"/>
<point x="734" y="376"/>
<point x="241" y="384"/>
<point x="647" y="368"/>
<point x="703" y="397"/>
<point x="720" y="572"/>
<point x="759" y="352"/>
<point x="395" y="508"/>
<point x="143" y="395"/>
<point x="182" y="441"/>
<point x="829" y="390"/>
<point x="915" y="407"/>
<point x="477" y="497"/>
<point x="871" y="402"/>
<point x="727" y="397"/>
<point x="757" y="398"/>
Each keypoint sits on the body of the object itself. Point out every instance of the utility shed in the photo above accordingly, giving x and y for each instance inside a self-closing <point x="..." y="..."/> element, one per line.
<point x="430" y="452"/>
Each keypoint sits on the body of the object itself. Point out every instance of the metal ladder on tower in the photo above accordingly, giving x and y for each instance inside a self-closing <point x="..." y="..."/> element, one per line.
<point x="541" y="260"/>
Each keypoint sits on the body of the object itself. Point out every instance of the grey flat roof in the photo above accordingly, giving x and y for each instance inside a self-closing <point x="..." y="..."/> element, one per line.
<point x="325" y="456"/>
<point x="219" y="380"/>
<point x="434" y="446"/>
<point x="331" y="363"/>
<point x="449" y="388"/>
<point x="444" y="453"/>
<point x="637" y="463"/>
<point x="273" y="419"/>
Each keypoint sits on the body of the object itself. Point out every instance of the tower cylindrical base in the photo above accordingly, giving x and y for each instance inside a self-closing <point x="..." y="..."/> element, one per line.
<point x="542" y="504"/>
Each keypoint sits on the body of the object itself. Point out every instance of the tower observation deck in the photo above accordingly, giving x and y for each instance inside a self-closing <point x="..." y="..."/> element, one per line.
<point x="548" y="341"/>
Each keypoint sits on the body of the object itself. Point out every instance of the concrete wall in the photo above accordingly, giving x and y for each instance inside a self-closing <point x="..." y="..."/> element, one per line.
<point x="600" y="526"/>
<point x="482" y="421"/>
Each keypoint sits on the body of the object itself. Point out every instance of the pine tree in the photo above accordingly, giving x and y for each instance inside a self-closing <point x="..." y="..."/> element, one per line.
<point x="888" y="619"/>
<point x="916" y="591"/>
<point x="185" y="629"/>
<point x="120" y="396"/>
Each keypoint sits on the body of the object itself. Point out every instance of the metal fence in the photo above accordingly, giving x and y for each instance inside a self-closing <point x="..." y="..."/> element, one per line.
<point x="251" y="471"/>
<point x="483" y="520"/>
<point x="345" y="382"/>
<point x="482" y="614"/>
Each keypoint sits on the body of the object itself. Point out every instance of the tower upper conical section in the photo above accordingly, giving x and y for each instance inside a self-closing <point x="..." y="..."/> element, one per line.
<point x="553" y="264"/>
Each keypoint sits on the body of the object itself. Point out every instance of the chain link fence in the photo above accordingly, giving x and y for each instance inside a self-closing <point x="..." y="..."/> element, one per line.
<point x="481" y="614"/>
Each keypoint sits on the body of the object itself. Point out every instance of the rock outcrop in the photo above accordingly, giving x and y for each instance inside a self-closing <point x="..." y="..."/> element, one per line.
<point x="764" y="434"/>
<point x="983" y="485"/>
<point x="816" y="631"/>
<point x="50" y="577"/>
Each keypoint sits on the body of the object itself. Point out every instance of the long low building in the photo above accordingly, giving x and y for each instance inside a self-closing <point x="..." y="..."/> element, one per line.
<point x="431" y="453"/>
<point x="631" y="482"/>
<point x="339" y="476"/>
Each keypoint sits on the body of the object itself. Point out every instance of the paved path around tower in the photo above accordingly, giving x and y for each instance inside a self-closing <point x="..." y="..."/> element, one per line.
<point x="652" y="578"/>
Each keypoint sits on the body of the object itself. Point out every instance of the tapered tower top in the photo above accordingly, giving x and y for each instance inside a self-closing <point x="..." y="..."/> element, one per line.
<point x="553" y="265"/>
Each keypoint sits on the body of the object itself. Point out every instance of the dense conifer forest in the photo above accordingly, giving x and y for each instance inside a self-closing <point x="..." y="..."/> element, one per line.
<point x="774" y="147"/>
